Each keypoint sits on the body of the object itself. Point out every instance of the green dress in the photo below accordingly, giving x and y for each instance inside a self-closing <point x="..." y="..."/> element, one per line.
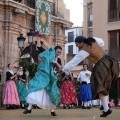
<point x="22" y="89"/>
<point x="45" y="78"/>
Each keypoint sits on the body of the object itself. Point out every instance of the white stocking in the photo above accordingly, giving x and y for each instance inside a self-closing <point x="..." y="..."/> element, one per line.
<point x="85" y="104"/>
<point x="52" y="110"/>
<point x="29" y="106"/>
<point x="104" y="101"/>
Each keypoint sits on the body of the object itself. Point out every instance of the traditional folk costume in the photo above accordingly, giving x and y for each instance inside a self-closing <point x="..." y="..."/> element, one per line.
<point x="67" y="93"/>
<point x="43" y="90"/>
<point x="21" y="88"/>
<point x="85" y="88"/>
<point x="10" y="94"/>
<point x="104" y="73"/>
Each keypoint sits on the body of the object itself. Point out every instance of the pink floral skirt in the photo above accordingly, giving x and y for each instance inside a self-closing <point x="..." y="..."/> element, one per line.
<point x="10" y="94"/>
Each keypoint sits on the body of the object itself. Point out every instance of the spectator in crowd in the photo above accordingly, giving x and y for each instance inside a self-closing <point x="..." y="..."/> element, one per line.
<point x="85" y="87"/>
<point x="67" y="91"/>
<point x="10" y="95"/>
<point x="21" y="86"/>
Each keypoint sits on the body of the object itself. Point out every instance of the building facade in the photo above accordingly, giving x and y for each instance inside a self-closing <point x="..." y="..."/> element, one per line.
<point x="102" y="19"/>
<point x="18" y="17"/>
<point x="70" y="47"/>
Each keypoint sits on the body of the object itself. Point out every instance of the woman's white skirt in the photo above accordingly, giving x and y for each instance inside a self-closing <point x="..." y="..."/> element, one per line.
<point x="41" y="99"/>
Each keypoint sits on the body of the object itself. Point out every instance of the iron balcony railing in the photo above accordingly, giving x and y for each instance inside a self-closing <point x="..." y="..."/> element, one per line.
<point x="113" y="15"/>
<point x="90" y="23"/>
<point x="31" y="4"/>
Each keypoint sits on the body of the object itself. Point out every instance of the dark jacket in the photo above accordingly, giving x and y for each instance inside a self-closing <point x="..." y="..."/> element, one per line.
<point x="8" y="75"/>
<point x="22" y="76"/>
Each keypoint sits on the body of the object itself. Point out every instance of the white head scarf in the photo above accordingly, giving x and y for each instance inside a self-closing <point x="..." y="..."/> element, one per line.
<point x="8" y="70"/>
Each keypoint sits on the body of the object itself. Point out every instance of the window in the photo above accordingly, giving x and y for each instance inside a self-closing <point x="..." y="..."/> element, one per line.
<point x="53" y="9"/>
<point x="90" y="33"/>
<point x="70" y="37"/>
<point x="30" y="3"/>
<point x="114" y="10"/>
<point x="70" y="49"/>
<point x="90" y="15"/>
<point x="113" y="40"/>
<point x="114" y="44"/>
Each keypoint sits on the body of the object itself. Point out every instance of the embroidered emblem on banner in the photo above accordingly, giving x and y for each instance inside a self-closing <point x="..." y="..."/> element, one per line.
<point x="43" y="16"/>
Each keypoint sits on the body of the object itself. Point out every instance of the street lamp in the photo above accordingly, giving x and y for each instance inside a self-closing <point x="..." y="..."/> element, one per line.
<point x="30" y="37"/>
<point x="21" y="40"/>
<point x="30" y="41"/>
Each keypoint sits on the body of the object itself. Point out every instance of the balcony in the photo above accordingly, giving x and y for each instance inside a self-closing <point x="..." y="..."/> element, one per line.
<point x="90" y="23"/>
<point x="113" y="15"/>
<point x="31" y="4"/>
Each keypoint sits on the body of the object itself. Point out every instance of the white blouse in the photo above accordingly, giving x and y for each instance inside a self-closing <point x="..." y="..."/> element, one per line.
<point x="83" y="77"/>
<point x="80" y="56"/>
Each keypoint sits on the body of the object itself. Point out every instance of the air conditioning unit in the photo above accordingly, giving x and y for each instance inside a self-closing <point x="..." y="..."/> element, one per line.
<point x="17" y="10"/>
<point x="60" y="14"/>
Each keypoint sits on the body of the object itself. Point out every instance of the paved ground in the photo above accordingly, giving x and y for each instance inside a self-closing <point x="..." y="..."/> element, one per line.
<point x="63" y="114"/>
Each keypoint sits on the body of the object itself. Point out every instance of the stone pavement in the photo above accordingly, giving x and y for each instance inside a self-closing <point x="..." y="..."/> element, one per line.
<point x="63" y="114"/>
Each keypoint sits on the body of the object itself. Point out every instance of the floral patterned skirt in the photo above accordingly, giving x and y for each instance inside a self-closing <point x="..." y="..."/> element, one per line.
<point x="67" y="92"/>
<point x="22" y="91"/>
<point x="10" y="94"/>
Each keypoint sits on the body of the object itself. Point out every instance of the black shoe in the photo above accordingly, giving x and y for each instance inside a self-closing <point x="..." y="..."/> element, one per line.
<point x="64" y="107"/>
<point x="69" y="106"/>
<point x="101" y="108"/>
<point x="84" y="107"/>
<point x="53" y="114"/>
<point x="88" y="107"/>
<point x="27" y="111"/>
<point x="106" y="113"/>
<point x="8" y="108"/>
<point x="14" y="107"/>
<point x="23" y="107"/>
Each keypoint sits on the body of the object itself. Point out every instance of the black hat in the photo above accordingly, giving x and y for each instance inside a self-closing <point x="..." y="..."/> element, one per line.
<point x="80" y="39"/>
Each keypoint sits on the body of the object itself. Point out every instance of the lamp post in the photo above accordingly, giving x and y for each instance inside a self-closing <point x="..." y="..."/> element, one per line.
<point x="30" y="41"/>
<point x="21" y="40"/>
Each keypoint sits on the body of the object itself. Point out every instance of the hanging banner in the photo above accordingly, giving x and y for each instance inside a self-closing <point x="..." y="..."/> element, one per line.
<point x="43" y="16"/>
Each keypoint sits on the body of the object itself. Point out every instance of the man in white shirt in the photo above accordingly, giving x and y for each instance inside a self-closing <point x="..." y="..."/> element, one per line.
<point x="85" y="88"/>
<point x="104" y="73"/>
